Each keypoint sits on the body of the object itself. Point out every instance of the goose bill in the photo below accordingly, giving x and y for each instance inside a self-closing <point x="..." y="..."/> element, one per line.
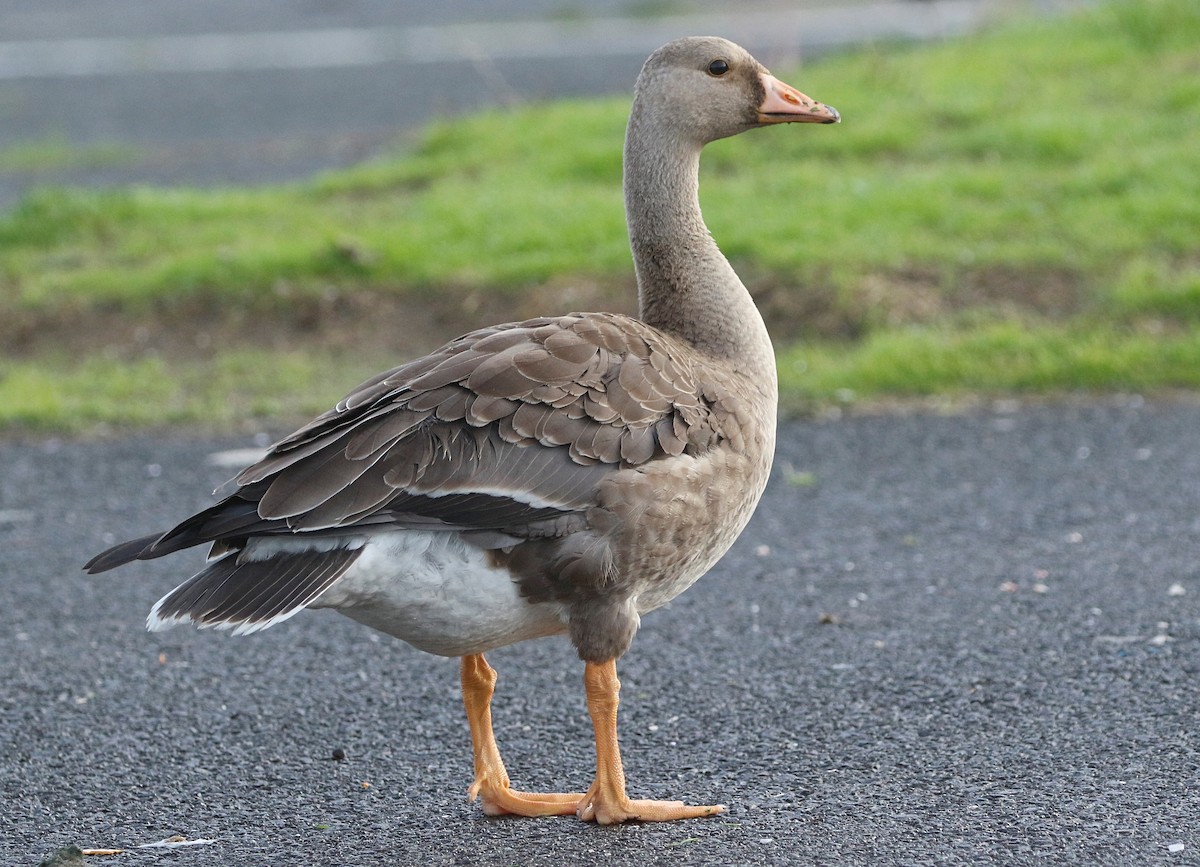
<point x="784" y="104"/>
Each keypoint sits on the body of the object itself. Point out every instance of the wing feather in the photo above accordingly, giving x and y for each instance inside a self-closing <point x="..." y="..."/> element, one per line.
<point x="508" y="427"/>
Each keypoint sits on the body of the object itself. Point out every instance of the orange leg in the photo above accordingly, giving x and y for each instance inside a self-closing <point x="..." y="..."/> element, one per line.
<point x="606" y="802"/>
<point x="491" y="777"/>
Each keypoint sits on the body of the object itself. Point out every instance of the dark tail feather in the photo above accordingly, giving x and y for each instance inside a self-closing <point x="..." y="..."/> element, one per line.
<point x="233" y="518"/>
<point x="119" y="555"/>
<point x="254" y="594"/>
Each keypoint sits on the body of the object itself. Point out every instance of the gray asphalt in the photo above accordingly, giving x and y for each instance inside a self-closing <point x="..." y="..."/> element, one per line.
<point x="228" y="92"/>
<point x="943" y="639"/>
<point x="962" y="639"/>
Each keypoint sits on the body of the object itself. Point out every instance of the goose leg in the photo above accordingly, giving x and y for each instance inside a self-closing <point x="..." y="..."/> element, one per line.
<point x="606" y="802"/>
<point x="491" y="777"/>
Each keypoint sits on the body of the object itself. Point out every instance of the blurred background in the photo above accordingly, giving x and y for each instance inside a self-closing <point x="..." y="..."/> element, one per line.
<point x="222" y="213"/>
<point x="221" y="91"/>
<point x="966" y="635"/>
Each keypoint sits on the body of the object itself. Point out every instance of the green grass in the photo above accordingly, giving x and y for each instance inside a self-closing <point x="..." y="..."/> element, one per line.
<point x="56" y="153"/>
<point x="998" y="357"/>
<point x="1013" y="211"/>
<point x="241" y="387"/>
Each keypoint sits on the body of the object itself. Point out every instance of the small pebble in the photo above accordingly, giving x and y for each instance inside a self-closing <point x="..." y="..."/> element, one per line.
<point x="1176" y="847"/>
<point x="339" y="755"/>
<point x="1176" y="590"/>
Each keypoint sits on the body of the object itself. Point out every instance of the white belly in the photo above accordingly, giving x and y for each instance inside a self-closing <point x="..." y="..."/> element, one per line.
<point x="439" y="594"/>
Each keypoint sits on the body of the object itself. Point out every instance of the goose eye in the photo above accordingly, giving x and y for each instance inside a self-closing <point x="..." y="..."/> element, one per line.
<point x="718" y="68"/>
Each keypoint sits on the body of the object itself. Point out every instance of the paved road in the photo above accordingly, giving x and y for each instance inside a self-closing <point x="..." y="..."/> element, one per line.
<point x="228" y="92"/>
<point x="942" y="640"/>
<point x="1010" y="673"/>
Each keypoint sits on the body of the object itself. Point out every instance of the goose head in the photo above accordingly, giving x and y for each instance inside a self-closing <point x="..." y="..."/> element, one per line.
<point x="706" y="88"/>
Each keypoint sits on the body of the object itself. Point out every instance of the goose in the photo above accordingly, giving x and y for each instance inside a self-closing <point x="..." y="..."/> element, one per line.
<point x="565" y="474"/>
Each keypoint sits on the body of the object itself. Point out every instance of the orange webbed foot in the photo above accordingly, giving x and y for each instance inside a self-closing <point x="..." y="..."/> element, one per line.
<point x="605" y="807"/>
<point x="491" y="783"/>
<point x="502" y="800"/>
<point x="606" y="802"/>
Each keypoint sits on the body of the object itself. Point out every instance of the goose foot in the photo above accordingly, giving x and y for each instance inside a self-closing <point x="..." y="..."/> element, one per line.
<point x="613" y="808"/>
<point x="498" y="799"/>
<point x="606" y="802"/>
<point x="491" y="777"/>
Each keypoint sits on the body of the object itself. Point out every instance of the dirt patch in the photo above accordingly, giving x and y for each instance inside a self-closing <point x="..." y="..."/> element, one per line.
<point x="903" y="297"/>
<point x="1054" y="292"/>
<point x="405" y="324"/>
<point x="814" y="307"/>
<point x="847" y="307"/>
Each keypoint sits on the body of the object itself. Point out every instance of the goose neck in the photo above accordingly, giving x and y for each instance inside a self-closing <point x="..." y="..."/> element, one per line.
<point x="686" y="287"/>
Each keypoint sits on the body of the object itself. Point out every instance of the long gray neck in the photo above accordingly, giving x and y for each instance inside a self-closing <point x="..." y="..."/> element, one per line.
<point x="686" y="287"/>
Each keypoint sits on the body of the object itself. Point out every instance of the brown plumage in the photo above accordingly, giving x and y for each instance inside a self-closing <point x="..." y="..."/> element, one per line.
<point x="563" y="474"/>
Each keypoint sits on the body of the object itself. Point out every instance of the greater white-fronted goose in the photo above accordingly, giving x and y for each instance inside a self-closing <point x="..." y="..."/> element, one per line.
<point x="560" y="475"/>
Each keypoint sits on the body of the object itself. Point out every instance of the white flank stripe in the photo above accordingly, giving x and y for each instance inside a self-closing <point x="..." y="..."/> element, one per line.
<point x="351" y="46"/>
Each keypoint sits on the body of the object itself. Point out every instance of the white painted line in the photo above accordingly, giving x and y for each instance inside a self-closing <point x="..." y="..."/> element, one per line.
<point x="236" y="458"/>
<point x="790" y="29"/>
<point x="16" y="516"/>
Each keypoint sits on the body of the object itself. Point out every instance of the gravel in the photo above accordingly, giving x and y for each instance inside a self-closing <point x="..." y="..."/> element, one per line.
<point x="943" y="639"/>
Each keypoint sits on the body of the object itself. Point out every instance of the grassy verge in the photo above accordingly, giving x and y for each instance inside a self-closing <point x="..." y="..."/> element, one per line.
<point x="55" y="153"/>
<point x="1014" y="211"/>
